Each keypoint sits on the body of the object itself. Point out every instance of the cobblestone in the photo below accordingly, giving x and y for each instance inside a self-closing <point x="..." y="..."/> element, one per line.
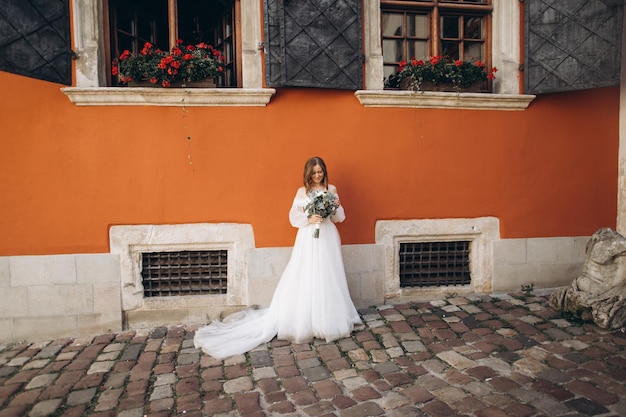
<point x="472" y="356"/>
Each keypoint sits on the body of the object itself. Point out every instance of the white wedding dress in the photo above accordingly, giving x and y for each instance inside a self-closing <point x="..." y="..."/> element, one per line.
<point x="311" y="299"/>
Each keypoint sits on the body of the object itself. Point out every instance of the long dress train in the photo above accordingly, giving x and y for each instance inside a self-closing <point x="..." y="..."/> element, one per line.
<point x="311" y="299"/>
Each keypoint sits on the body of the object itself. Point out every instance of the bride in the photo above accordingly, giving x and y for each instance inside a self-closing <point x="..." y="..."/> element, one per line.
<point x="311" y="299"/>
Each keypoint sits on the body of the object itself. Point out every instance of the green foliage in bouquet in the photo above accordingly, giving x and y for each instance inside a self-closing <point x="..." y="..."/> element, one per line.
<point x="322" y="203"/>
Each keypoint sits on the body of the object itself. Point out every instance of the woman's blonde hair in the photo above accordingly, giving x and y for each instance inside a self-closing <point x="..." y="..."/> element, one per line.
<point x="308" y="172"/>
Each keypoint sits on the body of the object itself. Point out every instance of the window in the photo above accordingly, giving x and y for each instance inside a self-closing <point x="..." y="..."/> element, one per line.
<point x="459" y="29"/>
<point x="133" y="23"/>
<point x="166" y="274"/>
<point x="436" y="263"/>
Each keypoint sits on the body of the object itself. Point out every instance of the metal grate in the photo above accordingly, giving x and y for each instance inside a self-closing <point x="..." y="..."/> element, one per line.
<point x="184" y="273"/>
<point x="426" y="264"/>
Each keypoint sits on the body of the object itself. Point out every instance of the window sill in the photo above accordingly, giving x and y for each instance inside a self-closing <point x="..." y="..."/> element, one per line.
<point x="147" y="96"/>
<point x="438" y="100"/>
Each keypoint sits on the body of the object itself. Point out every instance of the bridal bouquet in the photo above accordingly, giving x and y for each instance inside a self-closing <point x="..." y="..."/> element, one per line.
<point x="323" y="203"/>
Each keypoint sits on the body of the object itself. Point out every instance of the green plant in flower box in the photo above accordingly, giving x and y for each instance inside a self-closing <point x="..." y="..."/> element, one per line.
<point x="440" y="71"/>
<point x="181" y="64"/>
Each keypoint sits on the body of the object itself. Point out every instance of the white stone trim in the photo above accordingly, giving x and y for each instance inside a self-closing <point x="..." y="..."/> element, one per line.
<point x="130" y="241"/>
<point x="431" y="99"/>
<point x="372" y="47"/>
<point x="251" y="44"/>
<point x="179" y="97"/>
<point x="506" y="30"/>
<point x="89" y="43"/>
<point x="481" y="232"/>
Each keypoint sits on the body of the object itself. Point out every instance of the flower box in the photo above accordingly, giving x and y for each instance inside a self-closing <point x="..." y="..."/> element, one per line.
<point x="439" y="73"/>
<point x="204" y="83"/>
<point x="406" y="84"/>
<point x="183" y="65"/>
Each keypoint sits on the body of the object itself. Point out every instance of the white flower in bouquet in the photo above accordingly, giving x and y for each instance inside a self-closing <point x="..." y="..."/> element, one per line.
<point x="322" y="203"/>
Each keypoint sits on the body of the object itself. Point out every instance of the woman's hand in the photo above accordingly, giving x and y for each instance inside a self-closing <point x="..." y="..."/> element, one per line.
<point x="315" y="219"/>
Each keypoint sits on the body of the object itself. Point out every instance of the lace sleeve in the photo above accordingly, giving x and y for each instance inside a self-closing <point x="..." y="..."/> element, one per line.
<point x="297" y="216"/>
<point x="339" y="216"/>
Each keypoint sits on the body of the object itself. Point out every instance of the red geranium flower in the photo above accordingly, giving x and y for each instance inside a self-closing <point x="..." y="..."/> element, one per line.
<point x="183" y="63"/>
<point x="147" y="48"/>
<point x="440" y="70"/>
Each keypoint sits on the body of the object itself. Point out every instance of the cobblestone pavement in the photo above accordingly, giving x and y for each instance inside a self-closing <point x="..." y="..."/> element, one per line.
<point x="483" y="356"/>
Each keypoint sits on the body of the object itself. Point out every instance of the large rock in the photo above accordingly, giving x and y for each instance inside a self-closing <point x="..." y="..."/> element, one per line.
<point x="599" y="293"/>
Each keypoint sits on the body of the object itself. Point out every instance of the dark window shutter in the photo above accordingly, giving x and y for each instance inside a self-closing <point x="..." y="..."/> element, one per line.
<point x="572" y="44"/>
<point x="313" y="43"/>
<point x="35" y="39"/>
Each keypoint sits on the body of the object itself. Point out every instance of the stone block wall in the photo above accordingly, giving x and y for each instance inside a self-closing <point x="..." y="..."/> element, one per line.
<point x="363" y="264"/>
<point x="541" y="262"/>
<point x="50" y="296"/>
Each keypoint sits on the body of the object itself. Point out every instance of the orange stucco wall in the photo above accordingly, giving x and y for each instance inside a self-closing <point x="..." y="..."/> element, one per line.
<point x="68" y="173"/>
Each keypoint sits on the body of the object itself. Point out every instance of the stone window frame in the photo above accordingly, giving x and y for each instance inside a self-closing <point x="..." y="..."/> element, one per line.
<point x="130" y="241"/>
<point x="481" y="232"/>
<point x="90" y="90"/>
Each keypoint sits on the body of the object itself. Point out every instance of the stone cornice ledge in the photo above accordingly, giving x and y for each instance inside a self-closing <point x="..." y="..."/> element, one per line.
<point x="438" y="100"/>
<point x="147" y="96"/>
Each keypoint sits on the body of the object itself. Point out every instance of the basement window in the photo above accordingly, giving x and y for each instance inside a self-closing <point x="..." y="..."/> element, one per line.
<point x="166" y="274"/>
<point x="437" y="263"/>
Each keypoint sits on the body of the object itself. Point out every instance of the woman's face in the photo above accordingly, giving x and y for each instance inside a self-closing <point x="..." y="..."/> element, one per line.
<point x="318" y="176"/>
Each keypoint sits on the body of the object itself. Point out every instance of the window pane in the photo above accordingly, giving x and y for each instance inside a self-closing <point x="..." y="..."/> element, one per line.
<point x="229" y="76"/>
<point x="228" y="51"/>
<point x="417" y="49"/>
<point x="146" y="31"/>
<point x="450" y="49"/>
<point x="473" y="51"/>
<point x="229" y="28"/>
<point x="389" y="70"/>
<point x="137" y="24"/>
<point x="392" y="50"/>
<point x="417" y="26"/>
<point x="473" y="28"/>
<point x="196" y="21"/>
<point x="392" y="24"/>
<point x="450" y="27"/>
